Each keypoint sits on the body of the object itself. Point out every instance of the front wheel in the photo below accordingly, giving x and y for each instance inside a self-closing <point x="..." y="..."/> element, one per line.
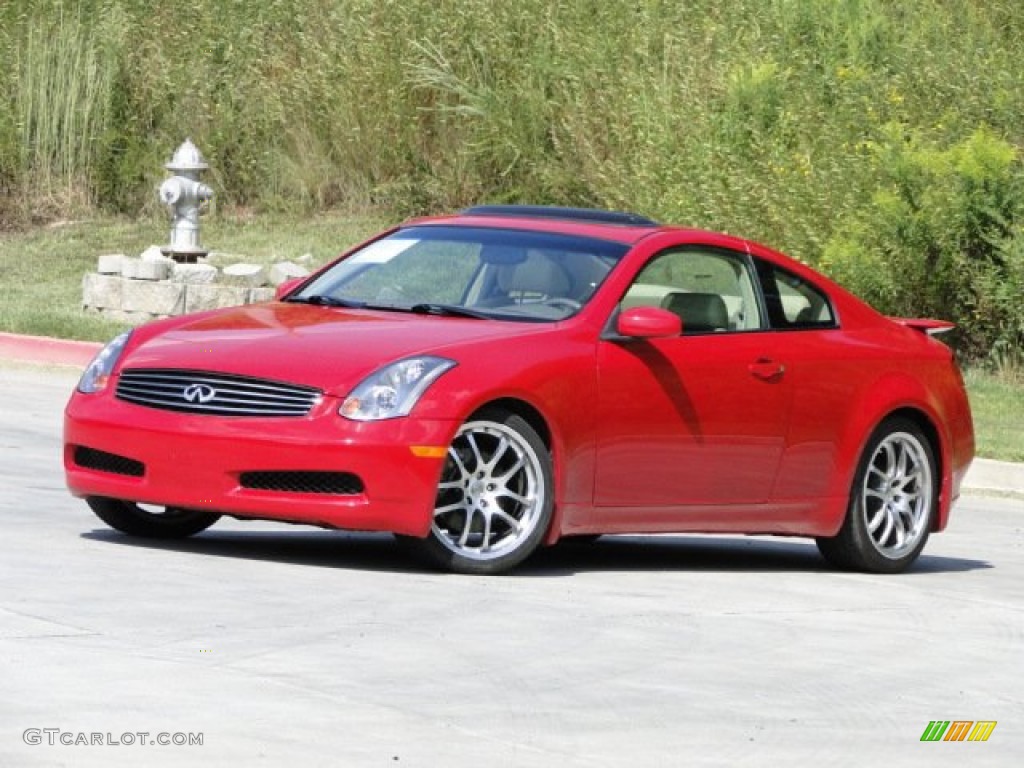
<point x="136" y="520"/>
<point x="892" y="502"/>
<point x="494" y="500"/>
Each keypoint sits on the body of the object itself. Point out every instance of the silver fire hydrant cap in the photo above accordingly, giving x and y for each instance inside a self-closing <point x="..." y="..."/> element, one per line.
<point x="187" y="157"/>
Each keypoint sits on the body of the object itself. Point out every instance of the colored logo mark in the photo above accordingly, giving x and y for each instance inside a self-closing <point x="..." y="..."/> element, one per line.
<point x="958" y="730"/>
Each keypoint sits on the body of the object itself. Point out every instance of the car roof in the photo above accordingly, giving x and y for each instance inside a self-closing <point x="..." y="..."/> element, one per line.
<point x="627" y="228"/>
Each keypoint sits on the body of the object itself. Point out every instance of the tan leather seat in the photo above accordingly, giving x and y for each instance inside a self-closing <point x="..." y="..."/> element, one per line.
<point x="700" y="312"/>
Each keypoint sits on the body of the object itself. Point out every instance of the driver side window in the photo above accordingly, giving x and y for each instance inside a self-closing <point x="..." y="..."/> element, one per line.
<point x="710" y="289"/>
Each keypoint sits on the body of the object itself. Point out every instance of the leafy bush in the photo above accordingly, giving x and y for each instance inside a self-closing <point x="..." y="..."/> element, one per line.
<point x="936" y="237"/>
<point x="1000" y="307"/>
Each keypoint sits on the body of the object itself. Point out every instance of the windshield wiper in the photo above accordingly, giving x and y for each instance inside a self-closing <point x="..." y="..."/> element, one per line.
<point x="448" y="310"/>
<point x="322" y="300"/>
<point x="440" y="310"/>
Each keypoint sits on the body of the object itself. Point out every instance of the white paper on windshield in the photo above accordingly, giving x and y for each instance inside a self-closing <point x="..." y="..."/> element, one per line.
<point x="383" y="251"/>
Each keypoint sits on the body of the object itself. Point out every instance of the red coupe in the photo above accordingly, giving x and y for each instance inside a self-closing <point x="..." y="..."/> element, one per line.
<point x="486" y="383"/>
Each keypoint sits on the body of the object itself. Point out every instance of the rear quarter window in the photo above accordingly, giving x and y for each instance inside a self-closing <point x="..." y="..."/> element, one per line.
<point x="794" y="303"/>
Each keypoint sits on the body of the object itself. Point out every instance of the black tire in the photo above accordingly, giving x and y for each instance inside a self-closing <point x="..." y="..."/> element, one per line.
<point x="893" y="502"/>
<point x="495" y="497"/>
<point x="130" y="518"/>
<point x="580" y="539"/>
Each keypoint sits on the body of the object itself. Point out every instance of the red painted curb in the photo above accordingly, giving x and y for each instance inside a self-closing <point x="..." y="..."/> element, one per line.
<point x="42" y="349"/>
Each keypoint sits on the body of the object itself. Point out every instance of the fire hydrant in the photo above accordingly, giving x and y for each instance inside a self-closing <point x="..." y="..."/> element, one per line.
<point x="183" y="193"/>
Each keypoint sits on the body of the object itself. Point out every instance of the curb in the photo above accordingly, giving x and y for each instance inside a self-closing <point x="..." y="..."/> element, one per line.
<point x="991" y="477"/>
<point x="42" y="349"/>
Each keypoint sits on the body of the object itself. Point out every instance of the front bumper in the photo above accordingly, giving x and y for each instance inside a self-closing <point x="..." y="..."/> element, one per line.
<point x="197" y="462"/>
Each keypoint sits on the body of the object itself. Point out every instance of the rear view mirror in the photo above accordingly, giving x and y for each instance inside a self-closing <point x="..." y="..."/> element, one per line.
<point x="648" y="323"/>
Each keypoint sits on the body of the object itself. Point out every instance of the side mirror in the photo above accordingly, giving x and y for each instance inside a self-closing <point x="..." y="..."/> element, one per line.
<point x="287" y="287"/>
<point x="648" y="323"/>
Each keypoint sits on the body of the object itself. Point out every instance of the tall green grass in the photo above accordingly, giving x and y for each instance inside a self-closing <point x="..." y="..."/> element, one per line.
<point x="65" y="65"/>
<point x="776" y="119"/>
<point x="750" y="116"/>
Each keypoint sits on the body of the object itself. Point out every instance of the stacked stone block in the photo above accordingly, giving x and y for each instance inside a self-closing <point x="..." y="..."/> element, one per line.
<point x="138" y="289"/>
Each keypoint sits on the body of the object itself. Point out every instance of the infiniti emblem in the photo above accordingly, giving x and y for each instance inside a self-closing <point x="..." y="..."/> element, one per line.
<point x="199" y="393"/>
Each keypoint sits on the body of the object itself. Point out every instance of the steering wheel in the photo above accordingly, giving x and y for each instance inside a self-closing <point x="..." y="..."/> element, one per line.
<point x="563" y="302"/>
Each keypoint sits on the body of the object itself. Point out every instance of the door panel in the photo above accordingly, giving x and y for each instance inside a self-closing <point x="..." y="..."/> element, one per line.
<point x="690" y="420"/>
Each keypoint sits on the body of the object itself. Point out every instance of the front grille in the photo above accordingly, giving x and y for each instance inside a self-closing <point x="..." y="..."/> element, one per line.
<point x="217" y="394"/>
<point x="101" y="461"/>
<point x="335" y="483"/>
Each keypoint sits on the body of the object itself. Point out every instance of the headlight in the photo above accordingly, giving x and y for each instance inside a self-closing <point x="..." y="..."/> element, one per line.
<point x="393" y="391"/>
<point x="96" y="376"/>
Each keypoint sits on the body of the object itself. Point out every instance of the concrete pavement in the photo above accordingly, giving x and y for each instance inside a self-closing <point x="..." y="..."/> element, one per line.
<point x="281" y="645"/>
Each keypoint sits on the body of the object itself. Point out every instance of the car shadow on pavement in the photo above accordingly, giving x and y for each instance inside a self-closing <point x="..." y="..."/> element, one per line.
<point x="706" y="553"/>
<point x="323" y="549"/>
<point x="382" y="552"/>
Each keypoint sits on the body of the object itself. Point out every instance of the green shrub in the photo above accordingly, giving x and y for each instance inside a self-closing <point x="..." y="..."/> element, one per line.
<point x="999" y="308"/>
<point x="936" y="236"/>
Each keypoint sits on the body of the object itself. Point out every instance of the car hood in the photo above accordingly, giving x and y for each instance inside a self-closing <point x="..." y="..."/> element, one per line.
<point x="328" y="348"/>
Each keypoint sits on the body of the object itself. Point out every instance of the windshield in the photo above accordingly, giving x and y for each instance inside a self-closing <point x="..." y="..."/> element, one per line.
<point x="471" y="272"/>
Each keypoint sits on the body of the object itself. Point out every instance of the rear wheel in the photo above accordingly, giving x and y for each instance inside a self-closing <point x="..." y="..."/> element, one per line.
<point x="494" y="500"/>
<point x="150" y="522"/>
<point x="892" y="502"/>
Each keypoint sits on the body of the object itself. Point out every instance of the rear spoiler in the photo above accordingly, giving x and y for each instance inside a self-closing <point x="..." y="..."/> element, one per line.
<point x="925" y="325"/>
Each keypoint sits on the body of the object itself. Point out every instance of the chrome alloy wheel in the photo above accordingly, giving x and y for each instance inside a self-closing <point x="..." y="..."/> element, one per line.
<point x="897" y="494"/>
<point x="492" y="492"/>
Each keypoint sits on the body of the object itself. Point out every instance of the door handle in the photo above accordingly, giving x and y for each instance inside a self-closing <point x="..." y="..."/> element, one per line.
<point x="767" y="369"/>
